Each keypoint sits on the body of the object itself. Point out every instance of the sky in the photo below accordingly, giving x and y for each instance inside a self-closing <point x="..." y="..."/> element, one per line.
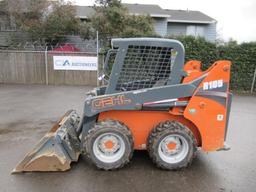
<point x="236" y="18"/>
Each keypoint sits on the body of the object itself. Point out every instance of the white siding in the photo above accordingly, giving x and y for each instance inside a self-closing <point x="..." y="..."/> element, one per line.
<point x="176" y="29"/>
<point x="160" y="25"/>
<point x="211" y="33"/>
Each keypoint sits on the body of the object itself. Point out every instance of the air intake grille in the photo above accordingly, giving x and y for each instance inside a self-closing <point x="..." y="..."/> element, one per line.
<point x="145" y="67"/>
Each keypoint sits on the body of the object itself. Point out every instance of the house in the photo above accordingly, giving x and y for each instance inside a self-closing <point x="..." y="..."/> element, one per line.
<point x="168" y="22"/>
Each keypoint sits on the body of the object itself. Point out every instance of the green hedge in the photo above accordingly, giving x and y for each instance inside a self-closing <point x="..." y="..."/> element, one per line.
<point x="242" y="56"/>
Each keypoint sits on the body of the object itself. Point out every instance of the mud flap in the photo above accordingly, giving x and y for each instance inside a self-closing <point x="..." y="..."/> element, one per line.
<point x="57" y="149"/>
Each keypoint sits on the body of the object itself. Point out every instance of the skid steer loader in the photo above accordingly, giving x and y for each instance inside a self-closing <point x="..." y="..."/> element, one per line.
<point x="153" y="101"/>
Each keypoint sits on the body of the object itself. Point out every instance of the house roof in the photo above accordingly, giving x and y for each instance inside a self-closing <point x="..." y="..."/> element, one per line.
<point x="180" y="16"/>
<point x="146" y="9"/>
<point x="188" y="16"/>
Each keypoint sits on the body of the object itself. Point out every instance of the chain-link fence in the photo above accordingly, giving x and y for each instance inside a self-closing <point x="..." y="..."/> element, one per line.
<point x="75" y="42"/>
<point x="32" y="62"/>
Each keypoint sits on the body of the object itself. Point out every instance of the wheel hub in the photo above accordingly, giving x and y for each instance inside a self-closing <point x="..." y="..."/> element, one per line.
<point x="109" y="144"/>
<point x="170" y="146"/>
<point x="173" y="148"/>
<point x="109" y="147"/>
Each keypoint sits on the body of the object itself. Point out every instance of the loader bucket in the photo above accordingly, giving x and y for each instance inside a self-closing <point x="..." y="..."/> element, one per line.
<point x="57" y="149"/>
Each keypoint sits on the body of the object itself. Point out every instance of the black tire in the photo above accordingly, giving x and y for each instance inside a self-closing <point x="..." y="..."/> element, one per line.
<point x="109" y="126"/>
<point x="159" y="133"/>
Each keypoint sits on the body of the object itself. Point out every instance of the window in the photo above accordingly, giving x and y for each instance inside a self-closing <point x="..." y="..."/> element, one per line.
<point x="191" y="30"/>
<point x="200" y="31"/>
<point x="196" y="31"/>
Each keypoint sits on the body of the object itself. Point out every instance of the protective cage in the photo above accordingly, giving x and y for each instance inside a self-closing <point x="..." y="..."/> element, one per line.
<point x="144" y="66"/>
<point x="142" y="63"/>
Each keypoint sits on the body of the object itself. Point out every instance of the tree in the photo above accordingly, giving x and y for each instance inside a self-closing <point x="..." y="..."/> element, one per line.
<point x="109" y="18"/>
<point x="51" y="21"/>
<point x="138" y="26"/>
<point x="60" y="21"/>
<point x="3" y="7"/>
<point x="112" y="19"/>
<point x="47" y="21"/>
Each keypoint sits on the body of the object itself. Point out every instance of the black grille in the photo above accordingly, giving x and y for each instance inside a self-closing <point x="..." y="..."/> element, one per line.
<point x="145" y="67"/>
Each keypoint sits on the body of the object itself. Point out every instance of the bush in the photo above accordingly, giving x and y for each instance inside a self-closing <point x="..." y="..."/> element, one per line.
<point x="199" y="49"/>
<point x="244" y="62"/>
<point x="242" y="56"/>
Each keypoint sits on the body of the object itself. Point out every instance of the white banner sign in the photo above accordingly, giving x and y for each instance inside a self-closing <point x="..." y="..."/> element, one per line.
<point x="75" y="63"/>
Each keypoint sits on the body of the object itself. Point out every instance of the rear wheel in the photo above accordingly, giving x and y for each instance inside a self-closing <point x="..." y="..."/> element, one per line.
<point x="171" y="145"/>
<point x="109" y="144"/>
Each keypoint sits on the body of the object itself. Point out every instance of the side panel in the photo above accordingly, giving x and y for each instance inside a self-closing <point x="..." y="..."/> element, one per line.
<point x="142" y="122"/>
<point x="134" y="100"/>
<point x="208" y="106"/>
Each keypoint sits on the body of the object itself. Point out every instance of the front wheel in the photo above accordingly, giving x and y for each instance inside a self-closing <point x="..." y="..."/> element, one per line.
<point x="171" y="145"/>
<point x="109" y="145"/>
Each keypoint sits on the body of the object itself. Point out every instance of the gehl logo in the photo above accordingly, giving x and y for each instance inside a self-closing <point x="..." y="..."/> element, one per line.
<point x="110" y="102"/>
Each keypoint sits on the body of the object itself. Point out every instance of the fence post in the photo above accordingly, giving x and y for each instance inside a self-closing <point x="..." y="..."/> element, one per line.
<point x="97" y="39"/>
<point x="46" y="66"/>
<point x="253" y="81"/>
<point x="102" y="67"/>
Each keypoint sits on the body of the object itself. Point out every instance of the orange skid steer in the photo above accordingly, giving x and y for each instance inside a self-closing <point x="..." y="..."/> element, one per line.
<point x="152" y="101"/>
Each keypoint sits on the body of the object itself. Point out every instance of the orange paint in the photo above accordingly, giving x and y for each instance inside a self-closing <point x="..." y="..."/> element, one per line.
<point x="193" y="69"/>
<point x="205" y="117"/>
<point x="211" y="128"/>
<point x="109" y="144"/>
<point x="142" y="122"/>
